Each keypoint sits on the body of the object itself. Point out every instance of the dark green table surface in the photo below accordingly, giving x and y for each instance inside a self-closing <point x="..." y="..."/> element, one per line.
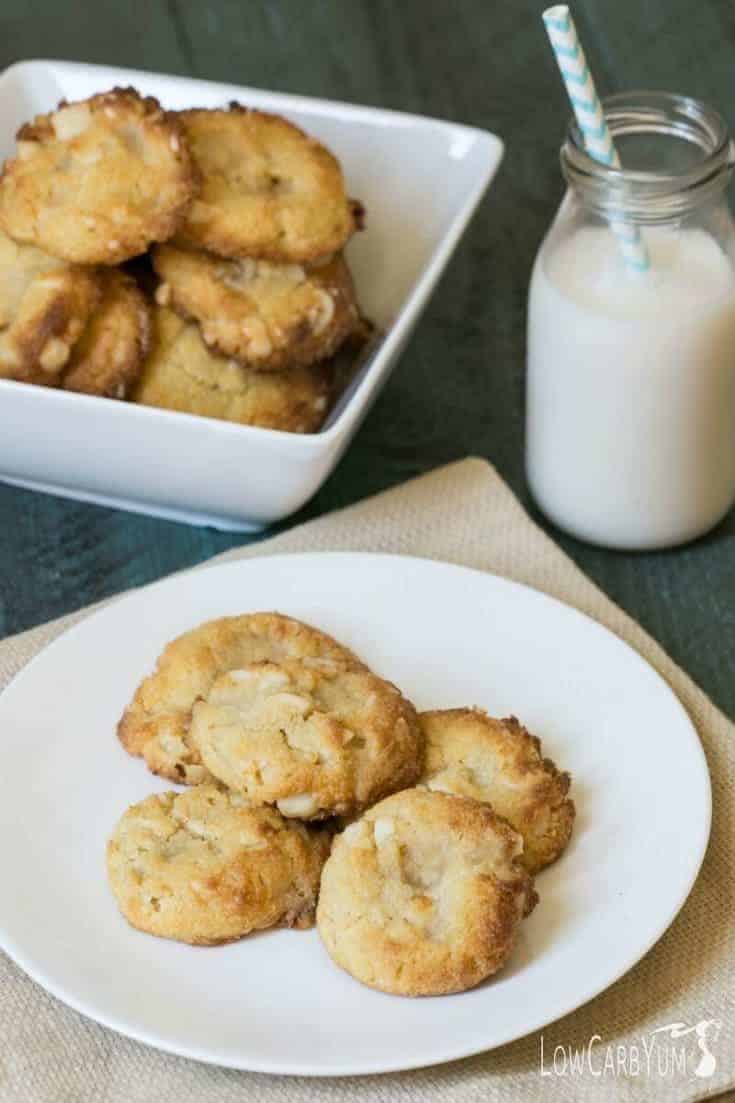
<point x="459" y="386"/>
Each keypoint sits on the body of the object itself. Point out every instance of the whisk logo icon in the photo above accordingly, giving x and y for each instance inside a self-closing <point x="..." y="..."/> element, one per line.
<point x="705" y="1031"/>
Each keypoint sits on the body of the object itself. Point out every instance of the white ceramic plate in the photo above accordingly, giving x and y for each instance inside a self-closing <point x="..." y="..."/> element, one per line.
<point x="420" y="180"/>
<point x="275" y="1002"/>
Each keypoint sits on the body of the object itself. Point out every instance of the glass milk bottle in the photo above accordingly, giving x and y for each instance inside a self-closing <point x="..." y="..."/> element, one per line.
<point x="630" y="392"/>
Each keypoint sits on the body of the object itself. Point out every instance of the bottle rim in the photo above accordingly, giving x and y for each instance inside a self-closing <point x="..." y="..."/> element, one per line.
<point x="649" y="196"/>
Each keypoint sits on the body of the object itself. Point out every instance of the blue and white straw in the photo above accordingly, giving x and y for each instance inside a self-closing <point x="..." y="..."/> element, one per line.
<point x="590" y="118"/>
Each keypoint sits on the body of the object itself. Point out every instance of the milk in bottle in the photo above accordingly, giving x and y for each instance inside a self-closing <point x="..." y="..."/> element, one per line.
<point x="630" y="418"/>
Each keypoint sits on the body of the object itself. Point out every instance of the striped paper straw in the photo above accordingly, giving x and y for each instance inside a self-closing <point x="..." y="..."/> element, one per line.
<point x="590" y="118"/>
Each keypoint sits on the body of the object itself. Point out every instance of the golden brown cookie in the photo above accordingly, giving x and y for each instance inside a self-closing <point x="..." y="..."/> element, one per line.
<point x="97" y="181"/>
<point x="268" y="190"/>
<point x="205" y="867"/>
<point x="471" y="754"/>
<point x="424" y="894"/>
<point x="268" y="316"/>
<point x="182" y="374"/>
<point x="108" y="358"/>
<point x="316" y="742"/>
<point x="156" y="723"/>
<point x="44" y="307"/>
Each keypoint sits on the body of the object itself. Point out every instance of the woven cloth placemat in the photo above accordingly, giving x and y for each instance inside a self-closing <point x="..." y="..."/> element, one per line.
<point x="464" y="514"/>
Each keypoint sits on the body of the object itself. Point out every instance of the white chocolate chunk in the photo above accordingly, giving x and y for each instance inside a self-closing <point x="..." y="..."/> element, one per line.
<point x="303" y="805"/>
<point x="69" y="122"/>
<point x="383" y="829"/>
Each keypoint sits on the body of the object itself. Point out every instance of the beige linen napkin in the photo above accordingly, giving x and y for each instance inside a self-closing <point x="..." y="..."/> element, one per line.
<point x="463" y="514"/>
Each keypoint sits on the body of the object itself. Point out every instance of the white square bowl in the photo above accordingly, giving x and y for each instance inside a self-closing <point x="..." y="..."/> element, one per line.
<point x="420" y="180"/>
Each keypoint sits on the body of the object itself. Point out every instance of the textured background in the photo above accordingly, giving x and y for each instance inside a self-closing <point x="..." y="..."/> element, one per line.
<point x="459" y="387"/>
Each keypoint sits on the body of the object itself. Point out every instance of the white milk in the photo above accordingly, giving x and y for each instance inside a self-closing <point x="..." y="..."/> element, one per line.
<point x="631" y="388"/>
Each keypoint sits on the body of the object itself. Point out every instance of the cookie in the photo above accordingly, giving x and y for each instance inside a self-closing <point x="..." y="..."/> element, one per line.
<point x="267" y="316"/>
<point x="424" y="894"/>
<point x="471" y="754"/>
<point x="182" y="374"/>
<point x="156" y="723"/>
<point x="268" y="190"/>
<point x="205" y="867"/>
<point x="109" y="356"/>
<point x="44" y="306"/>
<point x="315" y="741"/>
<point x="95" y="182"/>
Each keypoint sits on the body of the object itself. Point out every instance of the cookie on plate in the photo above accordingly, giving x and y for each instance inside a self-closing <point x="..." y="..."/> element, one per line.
<point x="472" y="754"/>
<point x="182" y="374"/>
<point x="424" y="894"/>
<point x="44" y="307"/>
<point x="315" y="741"/>
<point x="268" y="316"/>
<point x="108" y="358"/>
<point x="205" y="867"/>
<point x="156" y="723"/>
<point x="95" y="182"/>
<point x="268" y="189"/>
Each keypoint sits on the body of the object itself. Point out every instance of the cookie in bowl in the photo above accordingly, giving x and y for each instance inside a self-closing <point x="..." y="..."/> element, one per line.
<point x="45" y="304"/>
<point x="268" y="190"/>
<point x="99" y="180"/>
<point x="108" y="358"/>
<point x="267" y="316"/>
<point x="182" y="374"/>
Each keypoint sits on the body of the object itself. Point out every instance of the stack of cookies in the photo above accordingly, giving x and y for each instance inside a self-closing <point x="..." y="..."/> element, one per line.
<point x="243" y="297"/>
<point x="316" y="788"/>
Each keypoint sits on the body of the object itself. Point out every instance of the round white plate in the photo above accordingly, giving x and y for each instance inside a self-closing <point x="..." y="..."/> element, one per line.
<point x="275" y="1002"/>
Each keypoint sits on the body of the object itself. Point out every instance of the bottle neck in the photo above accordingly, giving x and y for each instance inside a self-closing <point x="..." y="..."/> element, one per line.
<point x="677" y="154"/>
